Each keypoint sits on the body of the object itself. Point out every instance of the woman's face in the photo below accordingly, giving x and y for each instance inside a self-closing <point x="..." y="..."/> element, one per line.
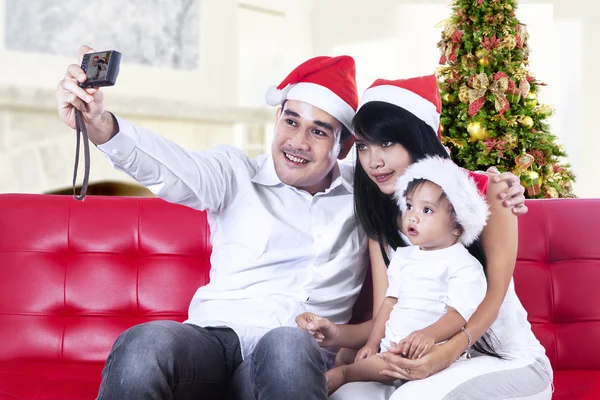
<point x="383" y="163"/>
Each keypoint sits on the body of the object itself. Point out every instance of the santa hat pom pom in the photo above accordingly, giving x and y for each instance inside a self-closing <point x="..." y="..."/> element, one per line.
<point x="274" y="96"/>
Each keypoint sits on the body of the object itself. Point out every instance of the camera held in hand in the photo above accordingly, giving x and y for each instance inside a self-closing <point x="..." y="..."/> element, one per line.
<point x="101" y="68"/>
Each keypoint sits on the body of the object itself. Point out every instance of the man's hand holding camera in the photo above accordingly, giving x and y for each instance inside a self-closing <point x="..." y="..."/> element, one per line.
<point x="101" y="125"/>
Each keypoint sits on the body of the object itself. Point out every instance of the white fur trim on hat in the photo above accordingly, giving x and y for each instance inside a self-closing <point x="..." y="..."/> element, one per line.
<point x="403" y="98"/>
<point x="471" y="209"/>
<point x="315" y="95"/>
<point x="274" y="96"/>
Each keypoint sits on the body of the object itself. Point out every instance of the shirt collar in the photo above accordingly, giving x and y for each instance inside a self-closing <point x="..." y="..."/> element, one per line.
<point x="339" y="177"/>
<point x="267" y="176"/>
<point x="448" y="253"/>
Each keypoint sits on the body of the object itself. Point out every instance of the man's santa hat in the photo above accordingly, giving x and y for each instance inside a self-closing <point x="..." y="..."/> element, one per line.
<point x="328" y="83"/>
<point x="420" y="96"/>
<point x="464" y="190"/>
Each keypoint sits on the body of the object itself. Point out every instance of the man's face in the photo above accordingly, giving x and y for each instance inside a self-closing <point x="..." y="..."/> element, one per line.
<point x="306" y="145"/>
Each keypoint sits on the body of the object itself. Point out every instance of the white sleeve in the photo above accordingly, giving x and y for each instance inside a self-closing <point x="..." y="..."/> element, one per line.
<point x="466" y="288"/>
<point x="199" y="179"/>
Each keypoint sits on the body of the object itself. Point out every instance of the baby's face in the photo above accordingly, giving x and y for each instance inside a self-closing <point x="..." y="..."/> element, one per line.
<point x="428" y="219"/>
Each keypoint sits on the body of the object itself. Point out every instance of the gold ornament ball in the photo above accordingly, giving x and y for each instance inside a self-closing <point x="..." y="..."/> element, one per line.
<point x="510" y="42"/>
<point x="527" y="122"/>
<point x="532" y="175"/>
<point x="511" y="141"/>
<point x="481" y="53"/>
<point x="448" y="98"/>
<point x="442" y="129"/>
<point x="531" y="100"/>
<point x="508" y="7"/>
<point x="484" y="62"/>
<point x="476" y="131"/>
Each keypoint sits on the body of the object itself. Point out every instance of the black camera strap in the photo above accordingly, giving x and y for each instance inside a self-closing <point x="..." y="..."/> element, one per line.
<point x="81" y="130"/>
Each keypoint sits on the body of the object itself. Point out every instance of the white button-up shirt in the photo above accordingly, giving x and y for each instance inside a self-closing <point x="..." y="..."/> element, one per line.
<point x="277" y="251"/>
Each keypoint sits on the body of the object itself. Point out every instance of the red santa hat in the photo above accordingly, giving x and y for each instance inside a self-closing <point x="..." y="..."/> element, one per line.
<point x="464" y="189"/>
<point x="419" y="96"/>
<point x="328" y="83"/>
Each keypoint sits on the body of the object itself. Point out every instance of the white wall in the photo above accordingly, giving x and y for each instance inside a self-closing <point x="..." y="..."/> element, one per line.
<point x="214" y="82"/>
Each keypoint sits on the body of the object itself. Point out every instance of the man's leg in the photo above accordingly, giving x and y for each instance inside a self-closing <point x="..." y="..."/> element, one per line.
<point x="286" y="364"/>
<point x="170" y="360"/>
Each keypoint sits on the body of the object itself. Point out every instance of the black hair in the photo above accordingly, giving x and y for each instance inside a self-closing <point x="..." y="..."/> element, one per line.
<point x="379" y="122"/>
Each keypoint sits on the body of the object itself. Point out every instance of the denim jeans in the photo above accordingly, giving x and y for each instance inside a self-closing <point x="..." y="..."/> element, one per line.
<point x="170" y="360"/>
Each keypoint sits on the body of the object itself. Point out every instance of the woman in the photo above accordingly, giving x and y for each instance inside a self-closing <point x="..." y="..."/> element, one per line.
<point x="395" y="126"/>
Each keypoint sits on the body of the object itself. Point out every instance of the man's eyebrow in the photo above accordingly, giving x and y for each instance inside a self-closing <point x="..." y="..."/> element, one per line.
<point x="291" y="113"/>
<point x="324" y="125"/>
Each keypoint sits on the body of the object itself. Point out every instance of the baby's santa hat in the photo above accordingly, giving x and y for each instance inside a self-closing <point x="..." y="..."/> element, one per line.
<point x="420" y="96"/>
<point x="464" y="189"/>
<point x="328" y="83"/>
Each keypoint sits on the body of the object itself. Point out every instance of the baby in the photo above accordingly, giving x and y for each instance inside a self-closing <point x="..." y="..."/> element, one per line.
<point x="436" y="284"/>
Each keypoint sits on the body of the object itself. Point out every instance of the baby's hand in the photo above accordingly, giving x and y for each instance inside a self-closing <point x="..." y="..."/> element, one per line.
<point x="416" y="345"/>
<point x="367" y="351"/>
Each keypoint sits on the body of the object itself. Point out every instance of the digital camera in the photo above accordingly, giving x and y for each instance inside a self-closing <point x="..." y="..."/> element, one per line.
<point x="101" y="68"/>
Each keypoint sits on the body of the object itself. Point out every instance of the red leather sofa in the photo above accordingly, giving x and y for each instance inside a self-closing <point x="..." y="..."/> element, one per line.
<point x="74" y="275"/>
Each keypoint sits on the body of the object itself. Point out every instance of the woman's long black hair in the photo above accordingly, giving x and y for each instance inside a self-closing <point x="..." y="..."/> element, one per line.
<point x="378" y="122"/>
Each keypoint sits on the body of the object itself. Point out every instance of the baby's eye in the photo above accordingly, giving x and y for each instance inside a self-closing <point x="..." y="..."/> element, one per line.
<point x="387" y="144"/>
<point x="408" y="206"/>
<point x="428" y="210"/>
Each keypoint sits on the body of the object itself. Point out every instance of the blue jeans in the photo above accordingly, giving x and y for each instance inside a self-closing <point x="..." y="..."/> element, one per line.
<point x="170" y="360"/>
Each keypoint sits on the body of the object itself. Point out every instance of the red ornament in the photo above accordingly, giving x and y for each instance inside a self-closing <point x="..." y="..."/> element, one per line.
<point x="490" y="43"/>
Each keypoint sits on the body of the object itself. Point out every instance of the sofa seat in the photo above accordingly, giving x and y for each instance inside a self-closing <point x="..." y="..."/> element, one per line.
<point x="49" y="380"/>
<point x="576" y="385"/>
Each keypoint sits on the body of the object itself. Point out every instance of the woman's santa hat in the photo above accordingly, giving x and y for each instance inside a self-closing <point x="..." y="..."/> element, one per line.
<point x="464" y="190"/>
<point x="420" y="96"/>
<point x="328" y="83"/>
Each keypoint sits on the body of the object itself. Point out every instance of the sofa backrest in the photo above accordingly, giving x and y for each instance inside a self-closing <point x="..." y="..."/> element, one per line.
<point x="557" y="278"/>
<point x="74" y="274"/>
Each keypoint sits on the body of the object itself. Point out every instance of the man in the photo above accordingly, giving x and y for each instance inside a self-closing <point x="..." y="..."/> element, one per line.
<point x="284" y="238"/>
<point x="284" y="242"/>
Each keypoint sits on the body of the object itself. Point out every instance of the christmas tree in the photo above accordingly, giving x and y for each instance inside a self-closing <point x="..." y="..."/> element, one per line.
<point x="490" y="113"/>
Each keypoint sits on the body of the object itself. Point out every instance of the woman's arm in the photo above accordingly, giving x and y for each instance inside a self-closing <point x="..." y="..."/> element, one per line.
<point x="378" y="331"/>
<point x="379" y="274"/>
<point x="500" y="240"/>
